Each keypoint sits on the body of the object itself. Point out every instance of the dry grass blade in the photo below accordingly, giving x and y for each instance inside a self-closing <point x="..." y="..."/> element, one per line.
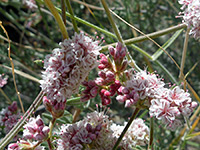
<point x="22" y="74"/>
<point x="13" y="73"/>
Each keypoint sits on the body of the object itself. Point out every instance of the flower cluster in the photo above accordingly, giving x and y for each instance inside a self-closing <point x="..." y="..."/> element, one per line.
<point x="67" y="67"/>
<point x="30" y="4"/>
<point x="97" y="132"/>
<point x="54" y="107"/>
<point x="138" y="133"/>
<point x="146" y="90"/>
<point x="35" y="129"/>
<point x="171" y="106"/>
<point x="142" y="86"/>
<point x="3" y="81"/>
<point x="9" y="117"/>
<point x="191" y="16"/>
<point x="107" y="83"/>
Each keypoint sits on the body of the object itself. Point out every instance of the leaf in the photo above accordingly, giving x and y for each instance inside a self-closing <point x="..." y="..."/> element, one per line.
<point x="166" y="45"/>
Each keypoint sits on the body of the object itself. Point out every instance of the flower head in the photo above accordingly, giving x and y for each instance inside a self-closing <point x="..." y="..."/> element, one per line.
<point x="171" y="104"/>
<point x="35" y="129"/>
<point x="191" y="16"/>
<point x="9" y="116"/>
<point x="67" y="67"/>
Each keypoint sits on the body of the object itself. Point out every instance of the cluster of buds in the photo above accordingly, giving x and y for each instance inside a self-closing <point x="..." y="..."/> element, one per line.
<point x="3" y="81"/>
<point x="111" y="70"/>
<point x="54" y="107"/>
<point x="96" y="131"/>
<point x="24" y="145"/>
<point x="9" y="117"/>
<point x="30" y="4"/>
<point x="35" y="129"/>
<point x="191" y="16"/>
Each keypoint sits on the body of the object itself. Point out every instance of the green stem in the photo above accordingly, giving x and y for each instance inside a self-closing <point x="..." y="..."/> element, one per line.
<point x="49" y="144"/>
<point x="151" y="35"/>
<point x="63" y="11"/>
<point x="126" y="128"/>
<point x="184" y="53"/>
<point x="151" y="133"/>
<point x="51" y="125"/>
<point x="58" y="18"/>
<point x="110" y="18"/>
<point x="117" y="33"/>
<point x="7" y="98"/>
<point x="43" y="19"/>
<point x="20" y="123"/>
<point x="72" y="14"/>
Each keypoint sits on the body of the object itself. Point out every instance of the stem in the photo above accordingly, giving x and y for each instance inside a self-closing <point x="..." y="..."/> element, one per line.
<point x="63" y="11"/>
<point x="58" y="18"/>
<point x="72" y="14"/>
<point x="76" y="114"/>
<point x="126" y="128"/>
<point x="13" y="69"/>
<point x="51" y="125"/>
<point x="151" y="35"/>
<point x="7" y="98"/>
<point x="110" y="18"/>
<point x="117" y="33"/>
<point x="184" y="53"/>
<point x="151" y="133"/>
<point x="49" y="144"/>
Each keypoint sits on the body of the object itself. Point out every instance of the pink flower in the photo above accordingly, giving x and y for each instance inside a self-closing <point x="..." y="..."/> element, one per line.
<point x="3" y="81"/>
<point x="171" y="105"/>
<point x="9" y="116"/>
<point x="68" y="66"/>
<point x="191" y="16"/>
<point x="35" y="129"/>
<point x="141" y="86"/>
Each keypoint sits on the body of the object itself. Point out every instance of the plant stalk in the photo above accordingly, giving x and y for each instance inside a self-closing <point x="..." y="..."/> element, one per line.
<point x="151" y="134"/>
<point x="181" y="76"/>
<point x="69" y="7"/>
<point x="58" y="18"/>
<point x="126" y="128"/>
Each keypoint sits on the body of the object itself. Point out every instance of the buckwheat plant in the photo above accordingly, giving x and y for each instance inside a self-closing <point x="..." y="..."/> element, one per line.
<point x="80" y="73"/>
<point x="190" y="16"/>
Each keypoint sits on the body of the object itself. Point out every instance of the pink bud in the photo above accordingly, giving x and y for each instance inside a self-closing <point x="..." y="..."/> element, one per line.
<point x="94" y="91"/>
<point x="111" y="50"/>
<point x="39" y="122"/>
<point x="13" y="146"/>
<point x="92" y="136"/>
<point x="89" y="127"/>
<point x="106" y="93"/>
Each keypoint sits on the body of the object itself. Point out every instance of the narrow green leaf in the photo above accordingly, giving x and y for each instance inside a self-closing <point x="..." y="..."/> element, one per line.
<point x="166" y="45"/>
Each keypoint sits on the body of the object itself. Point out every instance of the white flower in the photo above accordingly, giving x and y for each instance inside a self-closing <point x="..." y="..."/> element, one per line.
<point x="191" y="16"/>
